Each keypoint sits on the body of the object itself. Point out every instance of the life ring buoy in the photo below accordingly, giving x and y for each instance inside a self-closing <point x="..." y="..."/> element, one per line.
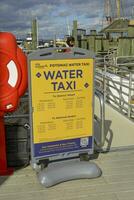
<point x="13" y="72"/>
<point x="22" y="59"/>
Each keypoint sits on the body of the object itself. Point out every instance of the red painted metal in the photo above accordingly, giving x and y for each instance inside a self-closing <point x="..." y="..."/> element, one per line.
<point x="4" y="170"/>
<point x="9" y="96"/>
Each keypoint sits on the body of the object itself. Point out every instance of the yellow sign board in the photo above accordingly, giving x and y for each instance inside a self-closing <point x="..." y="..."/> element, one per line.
<point x="62" y="99"/>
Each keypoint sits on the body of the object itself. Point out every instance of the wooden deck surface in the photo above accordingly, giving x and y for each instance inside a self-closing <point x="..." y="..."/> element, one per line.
<point x="116" y="183"/>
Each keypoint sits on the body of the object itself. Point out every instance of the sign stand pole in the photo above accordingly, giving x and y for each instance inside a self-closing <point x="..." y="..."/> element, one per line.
<point x="4" y="170"/>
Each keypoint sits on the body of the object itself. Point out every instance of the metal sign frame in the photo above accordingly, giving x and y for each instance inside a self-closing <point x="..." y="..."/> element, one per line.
<point x="59" y="54"/>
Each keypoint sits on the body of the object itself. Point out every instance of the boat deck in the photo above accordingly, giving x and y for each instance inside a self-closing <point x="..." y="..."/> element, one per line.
<point x="116" y="182"/>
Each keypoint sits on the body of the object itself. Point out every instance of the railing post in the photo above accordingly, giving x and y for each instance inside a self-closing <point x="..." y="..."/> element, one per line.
<point x="129" y="95"/>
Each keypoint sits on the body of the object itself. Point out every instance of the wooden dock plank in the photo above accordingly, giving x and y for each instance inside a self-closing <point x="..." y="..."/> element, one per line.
<point x="116" y="182"/>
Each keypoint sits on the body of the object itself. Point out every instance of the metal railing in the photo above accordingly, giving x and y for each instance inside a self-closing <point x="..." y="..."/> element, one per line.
<point x="100" y="120"/>
<point x="115" y="79"/>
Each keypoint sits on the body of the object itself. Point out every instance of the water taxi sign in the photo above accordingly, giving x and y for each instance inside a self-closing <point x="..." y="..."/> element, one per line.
<point x="61" y="98"/>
